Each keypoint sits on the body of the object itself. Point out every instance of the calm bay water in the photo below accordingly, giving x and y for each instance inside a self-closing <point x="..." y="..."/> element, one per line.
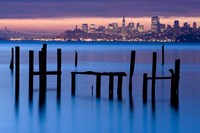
<point x="84" y="113"/>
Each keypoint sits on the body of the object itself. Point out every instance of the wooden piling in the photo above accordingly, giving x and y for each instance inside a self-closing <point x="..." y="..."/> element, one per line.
<point x="59" y="72"/>
<point x="42" y="90"/>
<point x="12" y="59"/>
<point x="172" y="84"/>
<point x="76" y="58"/>
<point x="163" y="54"/>
<point x="17" y="70"/>
<point x="177" y="75"/>
<point x="31" y="69"/>
<point x="44" y="65"/>
<point x="98" y="85"/>
<point x="154" y="75"/>
<point x="145" y="85"/>
<point x="111" y="80"/>
<point x="119" y="87"/>
<point x="73" y="83"/>
<point x="175" y="88"/>
<point x="132" y="66"/>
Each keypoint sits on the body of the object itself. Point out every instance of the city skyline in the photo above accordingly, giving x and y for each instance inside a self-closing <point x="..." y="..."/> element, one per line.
<point x="62" y="24"/>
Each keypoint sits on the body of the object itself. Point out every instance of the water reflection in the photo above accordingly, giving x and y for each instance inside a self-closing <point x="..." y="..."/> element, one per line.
<point x="42" y="108"/>
<point x="131" y="102"/>
<point x="174" y="116"/>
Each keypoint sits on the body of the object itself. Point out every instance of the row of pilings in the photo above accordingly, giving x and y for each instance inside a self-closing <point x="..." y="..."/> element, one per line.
<point x="43" y="73"/>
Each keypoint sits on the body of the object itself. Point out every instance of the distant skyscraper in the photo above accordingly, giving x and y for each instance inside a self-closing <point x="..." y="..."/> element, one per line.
<point x="155" y="24"/>
<point x="185" y="25"/>
<point x="176" y="24"/>
<point x="130" y="27"/>
<point x="141" y="28"/>
<point x="162" y="27"/>
<point x="85" y="27"/>
<point x="123" y="30"/>
<point x="194" y="25"/>
<point x="113" y="28"/>
<point x="177" y="28"/>
<point x="92" y="28"/>
<point x="137" y="26"/>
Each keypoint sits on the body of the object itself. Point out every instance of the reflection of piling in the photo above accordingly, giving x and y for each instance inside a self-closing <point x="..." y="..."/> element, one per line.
<point x="132" y="66"/>
<point x="163" y="54"/>
<point x="17" y="71"/>
<point x="31" y="69"/>
<point x="98" y="86"/>
<point x="145" y="83"/>
<point x="12" y="60"/>
<point x="119" y="87"/>
<point x="111" y="81"/>
<point x="76" y="58"/>
<point x="154" y="75"/>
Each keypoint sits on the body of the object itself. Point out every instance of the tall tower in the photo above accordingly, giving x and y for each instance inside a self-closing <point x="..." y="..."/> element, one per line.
<point x="123" y="23"/>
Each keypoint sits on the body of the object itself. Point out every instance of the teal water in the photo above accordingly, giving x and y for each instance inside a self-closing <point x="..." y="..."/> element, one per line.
<point x="85" y="113"/>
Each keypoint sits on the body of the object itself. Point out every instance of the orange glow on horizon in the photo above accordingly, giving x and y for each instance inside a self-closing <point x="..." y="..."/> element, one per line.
<point x="62" y="24"/>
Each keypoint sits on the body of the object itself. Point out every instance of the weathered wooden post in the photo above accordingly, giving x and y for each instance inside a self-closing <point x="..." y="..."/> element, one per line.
<point x="119" y="87"/>
<point x="177" y="76"/>
<point x="31" y="69"/>
<point x="73" y="83"/>
<point x="12" y="59"/>
<point x="163" y="54"/>
<point x="176" y="83"/>
<point x="17" y="71"/>
<point x="76" y="58"/>
<point x="154" y="75"/>
<point x="58" y="72"/>
<point x="111" y="80"/>
<point x="172" y="84"/>
<point x="145" y="85"/>
<point x="44" y="65"/>
<point x="132" y="66"/>
<point x="98" y="85"/>
<point x="42" y="91"/>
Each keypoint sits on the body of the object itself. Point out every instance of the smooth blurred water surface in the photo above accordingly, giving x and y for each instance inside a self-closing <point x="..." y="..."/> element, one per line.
<point x="85" y="113"/>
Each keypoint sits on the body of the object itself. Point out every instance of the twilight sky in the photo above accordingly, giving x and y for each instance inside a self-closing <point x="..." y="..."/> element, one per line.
<point x="11" y="10"/>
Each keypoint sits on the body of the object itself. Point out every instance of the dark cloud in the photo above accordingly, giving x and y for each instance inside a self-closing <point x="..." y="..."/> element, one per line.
<point x="97" y="8"/>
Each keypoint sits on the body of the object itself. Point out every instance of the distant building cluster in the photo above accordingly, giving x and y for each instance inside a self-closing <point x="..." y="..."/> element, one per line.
<point x="135" y="32"/>
<point x="114" y="31"/>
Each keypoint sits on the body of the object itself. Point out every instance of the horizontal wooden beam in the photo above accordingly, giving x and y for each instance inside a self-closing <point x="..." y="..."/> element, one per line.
<point x="160" y="78"/>
<point x="102" y="73"/>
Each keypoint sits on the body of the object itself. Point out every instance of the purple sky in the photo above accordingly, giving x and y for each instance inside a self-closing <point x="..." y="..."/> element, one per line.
<point x="98" y="8"/>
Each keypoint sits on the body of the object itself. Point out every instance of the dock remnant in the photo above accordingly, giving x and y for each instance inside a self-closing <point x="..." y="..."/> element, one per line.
<point x="98" y="75"/>
<point x="175" y="76"/>
<point x="43" y="72"/>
